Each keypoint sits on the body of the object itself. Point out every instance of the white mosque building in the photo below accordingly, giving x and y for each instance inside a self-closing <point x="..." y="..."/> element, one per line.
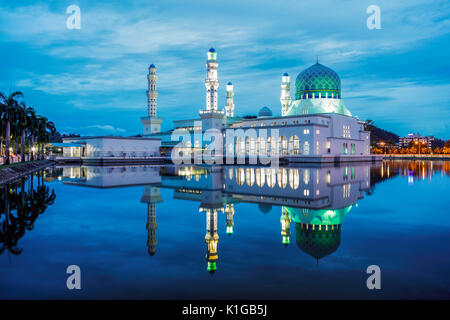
<point x="314" y="126"/>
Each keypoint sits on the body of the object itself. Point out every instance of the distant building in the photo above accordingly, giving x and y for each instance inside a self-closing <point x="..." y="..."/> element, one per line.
<point x="108" y="149"/>
<point x="404" y="142"/>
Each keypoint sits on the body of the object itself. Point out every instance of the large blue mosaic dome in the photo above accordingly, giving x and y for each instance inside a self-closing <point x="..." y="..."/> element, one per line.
<point x="316" y="80"/>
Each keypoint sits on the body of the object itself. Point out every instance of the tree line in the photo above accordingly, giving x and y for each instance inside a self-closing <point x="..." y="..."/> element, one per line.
<point x="22" y="128"/>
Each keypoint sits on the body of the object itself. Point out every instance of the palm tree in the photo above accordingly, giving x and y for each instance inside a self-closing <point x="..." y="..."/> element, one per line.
<point x="44" y="127"/>
<point x="32" y="132"/>
<point x="8" y="105"/>
<point x="25" y="121"/>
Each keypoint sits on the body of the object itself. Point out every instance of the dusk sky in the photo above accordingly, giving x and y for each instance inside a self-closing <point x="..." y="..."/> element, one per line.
<point x="92" y="81"/>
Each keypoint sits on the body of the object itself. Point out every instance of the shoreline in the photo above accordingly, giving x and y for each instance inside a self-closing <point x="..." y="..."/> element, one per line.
<point x="415" y="157"/>
<point x="15" y="172"/>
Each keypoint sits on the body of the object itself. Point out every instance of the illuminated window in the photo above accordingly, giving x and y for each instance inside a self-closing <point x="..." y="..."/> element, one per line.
<point x="346" y="190"/>
<point x="282" y="178"/>
<point x="283" y="145"/>
<point x="260" y="177"/>
<point x="294" y="178"/>
<point x="250" y="176"/>
<point x="240" y="176"/>
<point x="294" y="145"/>
<point x="306" y="148"/>
<point x="306" y="176"/>
<point x="345" y="148"/>
<point x="346" y="131"/>
<point x="271" y="177"/>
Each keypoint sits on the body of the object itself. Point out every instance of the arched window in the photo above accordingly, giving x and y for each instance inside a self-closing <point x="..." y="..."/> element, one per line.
<point x="283" y="145"/>
<point x="230" y="173"/>
<point x="250" y="176"/>
<point x="294" y="177"/>
<point x="261" y="146"/>
<point x="250" y="146"/>
<point x="240" y="147"/>
<point x="271" y="177"/>
<point x="260" y="177"/>
<point x="306" y="176"/>
<point x="282" y="178"/>
<point x="306" y="148"/>
<point x="294" y="145"/>
<point x="240" y="176"/>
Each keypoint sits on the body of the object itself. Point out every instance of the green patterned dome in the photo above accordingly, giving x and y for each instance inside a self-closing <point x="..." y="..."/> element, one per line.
<point x="317" y="79"/>
<point x="317" y="243"/>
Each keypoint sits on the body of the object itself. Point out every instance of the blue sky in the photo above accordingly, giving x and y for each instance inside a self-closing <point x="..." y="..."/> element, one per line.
<point x="93" y="80"/>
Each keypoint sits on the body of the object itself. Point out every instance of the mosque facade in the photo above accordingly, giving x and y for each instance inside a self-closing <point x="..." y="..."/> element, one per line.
<point x="314" y="126"/>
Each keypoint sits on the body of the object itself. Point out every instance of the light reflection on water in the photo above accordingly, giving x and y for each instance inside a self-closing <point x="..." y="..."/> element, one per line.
<point x="288" y="232"/>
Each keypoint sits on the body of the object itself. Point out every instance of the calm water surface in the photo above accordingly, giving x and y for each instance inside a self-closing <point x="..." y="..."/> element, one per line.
<point x="228" y="232"/>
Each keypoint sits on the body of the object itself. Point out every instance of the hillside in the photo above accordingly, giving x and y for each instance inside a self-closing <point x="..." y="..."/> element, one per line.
<point x="378" y="134"/>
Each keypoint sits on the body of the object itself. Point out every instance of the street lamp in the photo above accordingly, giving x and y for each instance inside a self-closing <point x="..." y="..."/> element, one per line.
<point x="384" y="146"/>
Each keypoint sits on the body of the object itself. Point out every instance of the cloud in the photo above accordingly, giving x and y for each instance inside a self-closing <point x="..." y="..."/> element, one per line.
<point x="103" y="65"/>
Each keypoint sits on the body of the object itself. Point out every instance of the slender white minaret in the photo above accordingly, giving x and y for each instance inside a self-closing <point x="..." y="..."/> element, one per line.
<point x="285" y="98"/>
<point x="212" y="118"/>
<point x="151" y="123"/>
<point x="211" y="81"/>
<point x="229" y="107"/>
<point x="152" y="92"/>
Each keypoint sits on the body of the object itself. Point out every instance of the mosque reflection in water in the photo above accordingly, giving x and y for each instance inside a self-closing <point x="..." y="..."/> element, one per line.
<point x="314" y="201"/>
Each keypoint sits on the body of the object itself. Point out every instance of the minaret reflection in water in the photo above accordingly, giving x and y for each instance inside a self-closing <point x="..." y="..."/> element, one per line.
<point x="315" y="199"/>
<point x="151" y="196"/>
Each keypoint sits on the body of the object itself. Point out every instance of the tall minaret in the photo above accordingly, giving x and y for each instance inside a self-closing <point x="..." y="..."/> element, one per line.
<point x="211" y="81"/>
<point x="212" y="118"/>
<point x="285" y="98"/>
<point x="151" y="123"/>
<point x="229" y="107"/>
<point x="152" y="92"/>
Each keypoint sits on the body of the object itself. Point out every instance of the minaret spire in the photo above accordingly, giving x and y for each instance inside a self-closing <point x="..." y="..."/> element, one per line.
<point x="151" y="123"/>
<point x="229" y="107"/>
<point x="152" y="92"/>
<point x="285" y="98"/>
<point x="211" y="81"/>
<point x="212" y="118"/>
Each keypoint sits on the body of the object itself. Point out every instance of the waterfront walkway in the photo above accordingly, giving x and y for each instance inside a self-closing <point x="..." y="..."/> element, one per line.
<point x="417" y="156"/>
<point x="16" y="170"/>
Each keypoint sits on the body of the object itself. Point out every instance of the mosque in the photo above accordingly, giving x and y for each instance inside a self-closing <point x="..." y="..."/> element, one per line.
<point x="314" y="126"/>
